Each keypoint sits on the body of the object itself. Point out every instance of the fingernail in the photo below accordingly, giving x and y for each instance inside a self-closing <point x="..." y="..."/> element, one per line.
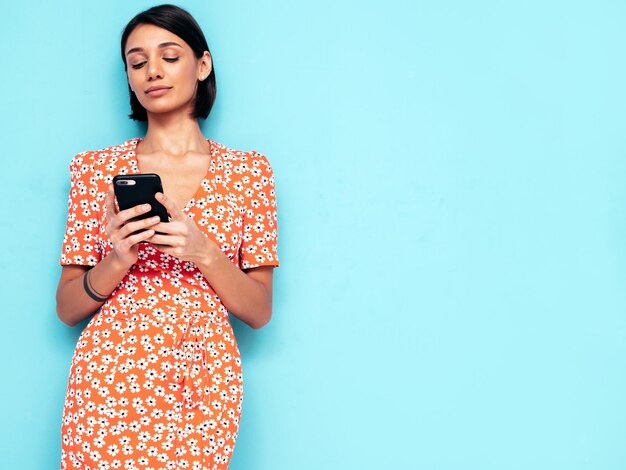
<point x="146" y="207"/>
<point x="155" y="219"/>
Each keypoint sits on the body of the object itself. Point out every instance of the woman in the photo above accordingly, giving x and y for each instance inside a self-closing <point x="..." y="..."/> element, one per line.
<point x="156" y="380"/>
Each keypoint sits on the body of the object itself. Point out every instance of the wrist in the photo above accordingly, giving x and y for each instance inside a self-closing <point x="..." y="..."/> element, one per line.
<point x="118" y="264"/>
<point x="211" y="255"/>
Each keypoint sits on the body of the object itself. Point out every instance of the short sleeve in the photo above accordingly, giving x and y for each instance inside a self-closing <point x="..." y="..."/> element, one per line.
<point x="260" y="228"/>
<point x="80" y="243"/>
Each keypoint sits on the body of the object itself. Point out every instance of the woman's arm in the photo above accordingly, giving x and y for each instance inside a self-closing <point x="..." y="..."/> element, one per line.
<point x="247" y="295"/>
<point x="74" y="304"/>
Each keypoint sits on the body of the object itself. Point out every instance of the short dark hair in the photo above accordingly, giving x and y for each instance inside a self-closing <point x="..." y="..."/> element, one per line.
<point x="182" y="24"/>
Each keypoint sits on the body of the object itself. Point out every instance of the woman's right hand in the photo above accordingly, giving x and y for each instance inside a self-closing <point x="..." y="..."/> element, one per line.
<point x="121" y="232"/>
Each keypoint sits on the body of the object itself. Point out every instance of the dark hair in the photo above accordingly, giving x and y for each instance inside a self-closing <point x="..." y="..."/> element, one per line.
<point x="182" y="24"/>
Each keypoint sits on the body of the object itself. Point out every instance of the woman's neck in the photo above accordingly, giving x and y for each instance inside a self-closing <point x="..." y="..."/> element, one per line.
<point x="173" y="135"/>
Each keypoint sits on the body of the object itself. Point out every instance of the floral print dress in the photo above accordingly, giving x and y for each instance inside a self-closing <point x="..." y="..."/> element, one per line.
<point x="156" y="379"/>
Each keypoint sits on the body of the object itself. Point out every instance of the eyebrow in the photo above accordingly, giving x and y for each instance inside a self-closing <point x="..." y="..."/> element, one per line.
<point x="161" y="46"/>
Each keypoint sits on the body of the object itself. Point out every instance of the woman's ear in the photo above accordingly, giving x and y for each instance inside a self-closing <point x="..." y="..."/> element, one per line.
<point x="206" y="66"/>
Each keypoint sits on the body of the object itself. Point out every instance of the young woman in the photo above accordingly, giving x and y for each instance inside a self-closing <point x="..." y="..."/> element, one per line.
<point x="156" y="379"/>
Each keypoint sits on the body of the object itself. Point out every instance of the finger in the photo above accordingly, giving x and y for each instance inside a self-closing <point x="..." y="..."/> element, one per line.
<point x="165" y="240"/>
<point x="171" y="228"/>
<point x="174" y="212"/>
<point x="135" y="211"/>
<point x="139" y="237"/>
<point x="136" y="225"/>
<point x="168" y="250"/>
<point x="110" y="203"/>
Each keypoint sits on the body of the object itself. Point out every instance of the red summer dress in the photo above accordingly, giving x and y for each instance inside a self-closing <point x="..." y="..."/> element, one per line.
<point x="156" y="380"/>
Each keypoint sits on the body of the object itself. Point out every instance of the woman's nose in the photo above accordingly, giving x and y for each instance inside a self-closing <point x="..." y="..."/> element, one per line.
<point x="154" y="71"/>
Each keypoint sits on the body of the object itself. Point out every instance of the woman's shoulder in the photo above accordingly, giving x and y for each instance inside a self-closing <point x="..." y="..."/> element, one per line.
<point x="121" y="151"/>
<point x="242" y="161"/>
<point x="105" y="161"/>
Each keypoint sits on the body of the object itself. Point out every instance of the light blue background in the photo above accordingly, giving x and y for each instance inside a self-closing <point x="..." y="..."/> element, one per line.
<point x="451" y="186"/>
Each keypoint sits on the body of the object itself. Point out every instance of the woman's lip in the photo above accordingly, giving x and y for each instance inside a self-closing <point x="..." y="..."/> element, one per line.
<point x="158" y="91"/>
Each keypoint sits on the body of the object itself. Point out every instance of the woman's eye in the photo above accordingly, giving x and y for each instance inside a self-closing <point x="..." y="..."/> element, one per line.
<point x="138" y="65"/>
<point x="170" y="59"/>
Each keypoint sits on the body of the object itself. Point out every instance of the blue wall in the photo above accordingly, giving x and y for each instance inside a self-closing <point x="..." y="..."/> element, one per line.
<point x="451" y="187"/>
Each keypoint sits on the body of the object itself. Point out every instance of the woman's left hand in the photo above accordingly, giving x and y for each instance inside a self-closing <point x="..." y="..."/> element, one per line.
<point x="181" y="237"/>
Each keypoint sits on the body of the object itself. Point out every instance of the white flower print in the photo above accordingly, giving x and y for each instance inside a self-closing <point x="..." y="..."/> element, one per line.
<point x="156" y="376"/>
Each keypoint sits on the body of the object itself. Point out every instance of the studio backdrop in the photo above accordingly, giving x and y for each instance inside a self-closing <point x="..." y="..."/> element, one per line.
<point x="451" y="187"/>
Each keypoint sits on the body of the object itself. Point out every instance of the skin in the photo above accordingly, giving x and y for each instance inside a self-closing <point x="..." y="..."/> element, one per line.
<point x="175" y="148"/>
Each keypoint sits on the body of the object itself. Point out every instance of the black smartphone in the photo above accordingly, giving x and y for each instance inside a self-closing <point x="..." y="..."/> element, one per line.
<point x="131" y="190"/>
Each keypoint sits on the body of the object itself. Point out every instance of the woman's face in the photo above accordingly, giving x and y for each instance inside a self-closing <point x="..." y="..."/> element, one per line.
<point x="162" y="69"/>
